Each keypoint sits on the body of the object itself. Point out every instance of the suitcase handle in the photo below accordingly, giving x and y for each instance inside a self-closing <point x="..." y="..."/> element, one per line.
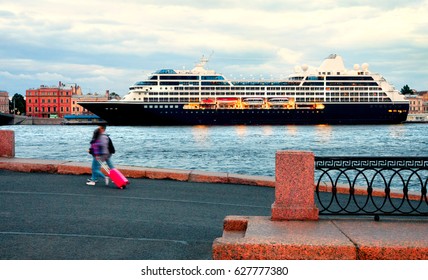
<point x="104" y="165"/>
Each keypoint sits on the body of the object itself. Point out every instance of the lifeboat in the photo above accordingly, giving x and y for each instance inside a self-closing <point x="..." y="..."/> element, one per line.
<point x="305" y="106"/>
<point x="227" y="100"/>
<point x="278" y="101"/>
<point x="253" y="101"/>
<point x="208" y="101"/>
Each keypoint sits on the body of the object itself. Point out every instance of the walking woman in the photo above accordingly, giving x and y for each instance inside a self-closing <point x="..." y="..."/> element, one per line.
<point x="100" y="152"/>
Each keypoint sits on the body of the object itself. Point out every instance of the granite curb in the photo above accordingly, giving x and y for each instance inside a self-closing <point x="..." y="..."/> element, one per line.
<point x="82" y="168"/>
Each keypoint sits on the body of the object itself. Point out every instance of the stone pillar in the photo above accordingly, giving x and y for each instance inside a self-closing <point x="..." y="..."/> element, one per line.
<point x="294" y="186"/>
<point x="7" y="143"/>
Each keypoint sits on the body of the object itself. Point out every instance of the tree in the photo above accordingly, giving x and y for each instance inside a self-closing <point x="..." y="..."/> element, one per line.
<point x="17" y="106"/>
<point x="114" y="95"/>
<point x="406" y="90"/>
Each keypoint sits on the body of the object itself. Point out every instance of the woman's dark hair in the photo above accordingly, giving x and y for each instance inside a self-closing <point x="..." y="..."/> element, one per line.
<point x="96" y="134"/>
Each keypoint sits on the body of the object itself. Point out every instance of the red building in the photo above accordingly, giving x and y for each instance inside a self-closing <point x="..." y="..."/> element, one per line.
<point x="4" y="102"/>
<point x="50" y="102"/>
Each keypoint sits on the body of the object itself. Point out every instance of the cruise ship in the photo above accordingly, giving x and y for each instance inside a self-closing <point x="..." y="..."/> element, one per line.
<point x="330" y="94"/>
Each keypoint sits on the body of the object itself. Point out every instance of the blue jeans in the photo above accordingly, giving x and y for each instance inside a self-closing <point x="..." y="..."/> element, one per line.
<point x="96" y="167"/>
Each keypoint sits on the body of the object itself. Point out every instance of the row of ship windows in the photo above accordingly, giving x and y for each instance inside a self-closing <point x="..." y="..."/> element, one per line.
<point x="270" y="94"/>
<point x="258" y="84"/>
<point x="175" y="76"/>
<point x="243" y="111"/>
<point x="250" y="83"/>
<point x="341" y="88"/>
<point x="161" y="106"/>
<point x="184" y="77"/>
<point x="354" y="99"/>
<point x="298" y="99"/>
<point x="284" y="88"/>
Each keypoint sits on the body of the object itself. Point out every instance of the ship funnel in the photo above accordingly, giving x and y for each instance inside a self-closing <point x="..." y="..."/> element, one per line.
<point x="333" y="64"/>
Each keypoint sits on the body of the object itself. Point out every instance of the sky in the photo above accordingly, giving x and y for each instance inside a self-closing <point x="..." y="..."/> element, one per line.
<point x="109" y="45"/>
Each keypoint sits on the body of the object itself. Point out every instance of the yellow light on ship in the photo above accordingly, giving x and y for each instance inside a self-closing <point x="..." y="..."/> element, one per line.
<point x="319" y="106"/>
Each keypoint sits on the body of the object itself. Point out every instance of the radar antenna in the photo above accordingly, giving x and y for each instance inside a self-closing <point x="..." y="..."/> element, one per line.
<point x="203" y="61"/>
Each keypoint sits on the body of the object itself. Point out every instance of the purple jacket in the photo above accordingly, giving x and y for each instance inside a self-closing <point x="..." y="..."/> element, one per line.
<point x="100" y="146"/>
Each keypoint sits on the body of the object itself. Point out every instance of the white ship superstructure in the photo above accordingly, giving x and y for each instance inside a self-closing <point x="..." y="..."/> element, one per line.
<point x="331" y="94"/>
<point x="330" y="83"/>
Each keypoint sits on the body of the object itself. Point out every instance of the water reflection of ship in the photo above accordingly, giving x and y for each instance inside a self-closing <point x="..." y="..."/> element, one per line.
<point x="291" y="130"/>
<point x="200" y="135"/>
<point x="241" y="130"/>
<point x="397" y="131"/>
<point x="323" y="133"/>
<point x="267" y="130"/>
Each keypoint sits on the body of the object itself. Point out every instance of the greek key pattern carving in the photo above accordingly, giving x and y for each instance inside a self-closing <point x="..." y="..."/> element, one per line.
<point x="369" y="162"/>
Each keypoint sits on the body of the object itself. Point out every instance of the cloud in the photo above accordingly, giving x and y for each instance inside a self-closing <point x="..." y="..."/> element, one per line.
<point x="92" y="78"/>
<point x="147" y="28"/>
<point x="111" y="43"/>
<point x="290" y="56"/>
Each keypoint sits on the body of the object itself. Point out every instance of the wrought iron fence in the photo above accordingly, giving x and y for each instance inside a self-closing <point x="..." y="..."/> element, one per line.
<point x="372" y="185"/>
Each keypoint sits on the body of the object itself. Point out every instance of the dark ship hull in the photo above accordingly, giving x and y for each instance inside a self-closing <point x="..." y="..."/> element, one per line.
<point x="144" y="114"/>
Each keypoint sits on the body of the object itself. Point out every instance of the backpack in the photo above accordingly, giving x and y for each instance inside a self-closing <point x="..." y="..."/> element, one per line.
<point x="111" y="148"/>
<point x="92" y="147"/>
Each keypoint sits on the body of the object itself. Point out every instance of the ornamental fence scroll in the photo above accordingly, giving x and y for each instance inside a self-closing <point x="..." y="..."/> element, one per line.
<point x="374" y="186"/>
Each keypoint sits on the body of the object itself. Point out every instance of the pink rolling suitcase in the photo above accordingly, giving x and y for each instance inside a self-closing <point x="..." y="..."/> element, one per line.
<point x="116" y="176"/>
<point x="118" y="179"/>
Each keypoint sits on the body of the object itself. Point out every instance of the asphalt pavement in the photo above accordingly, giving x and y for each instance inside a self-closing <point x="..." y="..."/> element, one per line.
<point x="56" y="217"/>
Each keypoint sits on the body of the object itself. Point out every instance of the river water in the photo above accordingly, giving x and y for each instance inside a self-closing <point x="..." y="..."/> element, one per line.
<point x="248" y="150"/>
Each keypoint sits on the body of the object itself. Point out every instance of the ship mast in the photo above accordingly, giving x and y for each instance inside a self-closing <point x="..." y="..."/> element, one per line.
<point x="200" y="66"/>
